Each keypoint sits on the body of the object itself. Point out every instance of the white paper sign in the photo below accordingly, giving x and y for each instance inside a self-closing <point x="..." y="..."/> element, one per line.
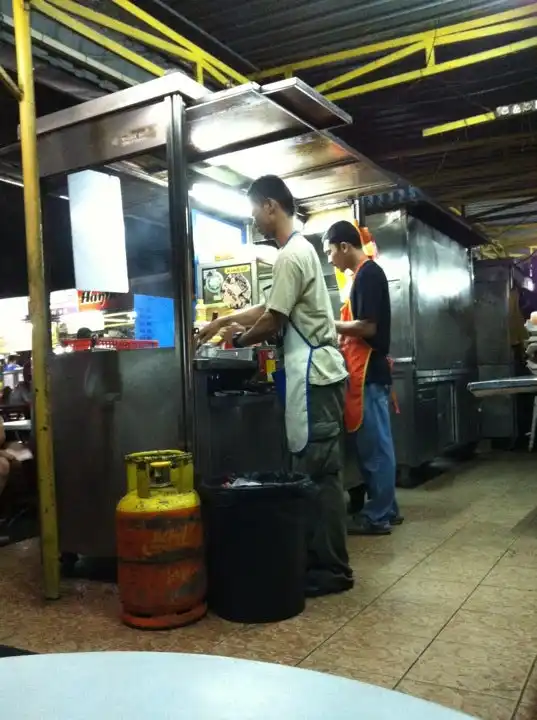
<point x="98" y="232"/>
<point x="212" y="237"/>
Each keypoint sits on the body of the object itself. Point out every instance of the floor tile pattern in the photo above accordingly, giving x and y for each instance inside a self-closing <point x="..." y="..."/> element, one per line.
<point x="445" y="608"/>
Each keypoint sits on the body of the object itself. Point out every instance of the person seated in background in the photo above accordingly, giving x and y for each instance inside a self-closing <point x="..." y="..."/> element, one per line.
<point x="83" y="333"/>
<point x="8" y="462"/>
<point x="11" y="364"/>
<point x="23" y="394"/>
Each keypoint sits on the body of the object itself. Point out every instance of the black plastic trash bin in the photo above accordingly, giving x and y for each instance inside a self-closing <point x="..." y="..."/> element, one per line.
<point x="256" y="547"/>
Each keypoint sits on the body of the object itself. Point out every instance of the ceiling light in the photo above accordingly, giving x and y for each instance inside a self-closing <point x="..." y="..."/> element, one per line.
<point x="11" y="181"/>
<point x="222" y="199"/>
<point x="516" y="109"/>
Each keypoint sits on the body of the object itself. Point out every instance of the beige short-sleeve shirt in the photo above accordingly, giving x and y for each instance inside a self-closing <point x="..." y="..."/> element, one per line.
<point x="299" y="292"/>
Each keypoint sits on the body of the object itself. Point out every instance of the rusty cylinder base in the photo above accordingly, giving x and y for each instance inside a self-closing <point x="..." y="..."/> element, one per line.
<point x="161" y="564"/>
<point x="164" y="622"/>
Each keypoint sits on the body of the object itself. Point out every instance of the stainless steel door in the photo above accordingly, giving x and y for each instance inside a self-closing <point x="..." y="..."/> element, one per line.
<point x="446" y="415"/>
<point x="442" y="306"/>
<point x="389" y="231"/>
<point x="492" y="283"/>
<point x="497" y="415"/>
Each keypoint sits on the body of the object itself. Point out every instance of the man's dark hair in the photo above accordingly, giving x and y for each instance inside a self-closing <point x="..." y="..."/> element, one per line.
<point x="83" y="333"/>
<point x="343" y="231"/>
<point x="271" y="187"/>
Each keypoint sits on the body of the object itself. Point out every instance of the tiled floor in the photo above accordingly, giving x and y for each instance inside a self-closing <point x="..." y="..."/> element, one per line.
<point x="445" y="608"/>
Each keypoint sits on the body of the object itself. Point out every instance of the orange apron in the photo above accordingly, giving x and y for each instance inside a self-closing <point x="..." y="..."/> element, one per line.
<point x="357" y="353"/>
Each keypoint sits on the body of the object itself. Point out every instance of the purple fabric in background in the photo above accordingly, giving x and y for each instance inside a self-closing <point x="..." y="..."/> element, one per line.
<point x="525" y="277"/>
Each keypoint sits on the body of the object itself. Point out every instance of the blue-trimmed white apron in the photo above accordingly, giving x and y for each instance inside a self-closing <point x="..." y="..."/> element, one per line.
<point x="298" y="355"/>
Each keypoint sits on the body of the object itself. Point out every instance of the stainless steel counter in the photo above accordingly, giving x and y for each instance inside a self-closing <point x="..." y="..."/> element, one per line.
<point x="504" y="386"/>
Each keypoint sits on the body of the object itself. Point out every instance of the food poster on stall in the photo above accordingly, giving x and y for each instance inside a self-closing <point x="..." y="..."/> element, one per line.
<point x="214" y="239"/>
<point x="228" y="284"/>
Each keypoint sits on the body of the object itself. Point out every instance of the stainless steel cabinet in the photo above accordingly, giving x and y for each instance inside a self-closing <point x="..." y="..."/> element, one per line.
<point x="493" y="280"/>
<point x="433" y="336"/>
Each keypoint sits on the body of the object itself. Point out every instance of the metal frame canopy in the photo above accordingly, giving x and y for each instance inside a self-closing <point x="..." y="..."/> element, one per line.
<point x="363" y="60"/>
<point x="280" y="128"/>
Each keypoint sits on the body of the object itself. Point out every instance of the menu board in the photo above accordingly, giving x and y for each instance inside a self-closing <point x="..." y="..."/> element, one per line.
<point x="213" y="237"/>
<point x="98" y="231"/>
<point x="228" y="284"/>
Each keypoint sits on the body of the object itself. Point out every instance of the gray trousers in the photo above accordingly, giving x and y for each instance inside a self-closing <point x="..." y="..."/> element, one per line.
<point x="321" y="459"/>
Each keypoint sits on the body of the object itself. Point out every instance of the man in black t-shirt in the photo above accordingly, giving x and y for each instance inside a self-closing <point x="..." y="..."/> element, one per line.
<point x="364" y="329"/>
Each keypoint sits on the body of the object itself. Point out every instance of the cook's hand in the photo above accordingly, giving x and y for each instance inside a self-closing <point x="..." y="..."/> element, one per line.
<point x="10" y="457"/>
<point x="230" y="331"/>
<point x="209" y="331"/>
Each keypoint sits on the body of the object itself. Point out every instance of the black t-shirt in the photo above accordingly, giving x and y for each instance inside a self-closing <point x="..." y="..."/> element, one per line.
<point x="370" y="300"/>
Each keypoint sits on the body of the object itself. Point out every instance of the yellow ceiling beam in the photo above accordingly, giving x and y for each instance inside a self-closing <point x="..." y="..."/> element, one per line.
<point x="167" y="41"/>
<point x="487" y="166"/>
<point x="98" y="38"/>
<point x="434" y="69"/>
<point x="513" y="244"/>
<point x="106" y="21"/>
<point x="494" y="230"/>
<point x="455" y="32"/>
<point x="370" y="67"/>
<point x="459" y="124"/>
<point x="483" y="32"/>
<point x="428" y="44"/>
<point x="501" y="141"/>
<point x="489" y="191"/>
<point x="501" y="113"/>
<point x="10" y="85"/>
<point x="195" y="57"/>
<point x="390" y="52"/>
<point x="152" y="22"/>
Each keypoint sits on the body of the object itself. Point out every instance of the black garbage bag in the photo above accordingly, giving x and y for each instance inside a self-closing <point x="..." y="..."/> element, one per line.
<point x="255" y="527"/>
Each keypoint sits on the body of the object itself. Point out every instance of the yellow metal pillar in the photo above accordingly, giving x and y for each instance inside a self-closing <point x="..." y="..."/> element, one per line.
<point x="39" y="314"/>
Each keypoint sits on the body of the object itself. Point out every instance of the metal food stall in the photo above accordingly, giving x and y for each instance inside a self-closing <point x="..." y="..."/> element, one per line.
<point x="145" y="138"/>
<point x="424" y="251"/>
<point x="495" y="355"/>
<point x="504" y="390"/>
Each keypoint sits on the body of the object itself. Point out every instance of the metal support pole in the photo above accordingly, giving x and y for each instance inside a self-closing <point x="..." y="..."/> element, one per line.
<point x="358" y="209"/>
<point x="39" y="315"/>
<point x="183" y="261"/>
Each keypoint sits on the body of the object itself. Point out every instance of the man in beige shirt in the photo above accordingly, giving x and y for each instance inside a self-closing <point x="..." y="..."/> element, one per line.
<point x="299" y="308"/>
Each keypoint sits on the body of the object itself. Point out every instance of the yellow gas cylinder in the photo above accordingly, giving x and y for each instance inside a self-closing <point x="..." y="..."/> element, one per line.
<point x="161" y="564"/>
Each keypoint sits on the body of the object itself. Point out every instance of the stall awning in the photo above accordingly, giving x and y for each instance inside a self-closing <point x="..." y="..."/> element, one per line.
<point x="233" y="136"/>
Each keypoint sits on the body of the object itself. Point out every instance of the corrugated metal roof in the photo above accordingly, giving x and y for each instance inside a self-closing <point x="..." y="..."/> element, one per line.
<point x="389" y="123"/>
<point x="273" y="32"/>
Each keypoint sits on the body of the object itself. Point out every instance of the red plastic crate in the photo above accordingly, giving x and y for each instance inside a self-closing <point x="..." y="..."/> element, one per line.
<point x="112" y="344"/>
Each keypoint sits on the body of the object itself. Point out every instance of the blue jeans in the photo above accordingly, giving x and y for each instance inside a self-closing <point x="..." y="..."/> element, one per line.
<point x="376" y="456"/>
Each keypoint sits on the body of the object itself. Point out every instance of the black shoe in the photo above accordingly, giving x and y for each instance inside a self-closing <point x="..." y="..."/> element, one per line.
<point x="342" y="585"/>
<point x="362" y="526"/>
<point x="4" y="540"/>
<point x="357" y="496"/>
<point x="397" y="520"/>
